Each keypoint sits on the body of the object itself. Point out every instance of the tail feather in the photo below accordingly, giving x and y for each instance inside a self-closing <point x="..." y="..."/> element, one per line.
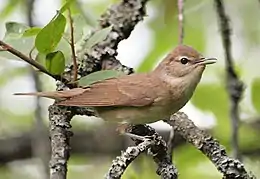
<point x="51" y="95"/>
<point x="58" y="95"/>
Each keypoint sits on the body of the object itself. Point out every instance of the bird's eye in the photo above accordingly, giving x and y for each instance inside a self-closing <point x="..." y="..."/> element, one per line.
<point x="184" y="60"/>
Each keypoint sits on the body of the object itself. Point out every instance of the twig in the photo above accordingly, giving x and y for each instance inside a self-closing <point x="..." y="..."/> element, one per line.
<point x="72" y="46"/>
<point x="121" y="163"/>
<point x="233" y="84"/>
<point x="230" y="168"/>
<point x="30" y="61"/>
<point x="181" y="19"/>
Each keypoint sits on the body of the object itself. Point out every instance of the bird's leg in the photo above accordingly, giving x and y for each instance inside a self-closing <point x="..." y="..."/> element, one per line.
<point x="122" y="128"/>
<point x="136" y="137"/>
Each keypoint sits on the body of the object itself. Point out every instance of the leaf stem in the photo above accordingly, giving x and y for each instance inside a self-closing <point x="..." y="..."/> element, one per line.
<point x="31" y="51"/>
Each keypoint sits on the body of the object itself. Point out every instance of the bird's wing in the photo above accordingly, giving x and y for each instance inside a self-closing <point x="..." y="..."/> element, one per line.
<point x="132" y="90"/>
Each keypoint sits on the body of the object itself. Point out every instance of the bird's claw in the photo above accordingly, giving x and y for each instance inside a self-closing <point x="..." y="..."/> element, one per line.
<point x="138" y="137"/>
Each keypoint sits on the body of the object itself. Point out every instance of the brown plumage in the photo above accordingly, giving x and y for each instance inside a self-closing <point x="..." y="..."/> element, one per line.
<point x="144" y="97"/>
<point x="124" y="91"/>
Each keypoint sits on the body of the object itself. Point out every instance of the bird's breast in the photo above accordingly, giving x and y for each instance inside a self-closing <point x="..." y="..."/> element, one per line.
<point x="181" y="92"/>
<point x="134" y="115"/>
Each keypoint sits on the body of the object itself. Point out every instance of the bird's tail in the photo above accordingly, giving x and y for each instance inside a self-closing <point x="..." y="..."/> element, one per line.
<point x="51" y="95"/>
<point x="57" y="95"/>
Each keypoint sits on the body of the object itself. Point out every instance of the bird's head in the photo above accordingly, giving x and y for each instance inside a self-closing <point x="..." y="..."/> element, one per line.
<point x="184" y="61"/>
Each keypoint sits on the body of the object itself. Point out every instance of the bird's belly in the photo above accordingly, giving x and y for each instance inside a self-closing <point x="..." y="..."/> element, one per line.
<point x="135" y="115"/>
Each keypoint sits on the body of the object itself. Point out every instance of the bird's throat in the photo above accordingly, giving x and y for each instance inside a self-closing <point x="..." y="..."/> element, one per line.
<point x="181" y="88"/>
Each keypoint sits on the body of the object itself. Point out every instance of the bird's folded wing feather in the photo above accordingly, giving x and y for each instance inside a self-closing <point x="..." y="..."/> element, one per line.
<point x="132" y="90"/>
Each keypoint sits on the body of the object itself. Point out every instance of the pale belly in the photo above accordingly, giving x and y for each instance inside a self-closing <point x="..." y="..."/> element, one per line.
<point x="136" y="115"/>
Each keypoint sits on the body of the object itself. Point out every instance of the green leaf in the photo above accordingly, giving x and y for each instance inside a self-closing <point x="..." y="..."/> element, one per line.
<point x="66" y="6"/>
<point x="15" y="29"/>
<point x="55" y="62"/>
<point x="49" y="37"/>
<point x="255" y="94"/>
<point x="97" y="37"/>
<point x="32" y="31"/>
<point x="99" y="76"/>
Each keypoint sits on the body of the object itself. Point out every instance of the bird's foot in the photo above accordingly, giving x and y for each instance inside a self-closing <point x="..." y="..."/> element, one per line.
<point x="136" y="137"/>
<point x="123" y="130"/>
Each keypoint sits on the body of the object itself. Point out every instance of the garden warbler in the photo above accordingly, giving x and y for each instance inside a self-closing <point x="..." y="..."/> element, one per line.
<point x="142" y="97"/>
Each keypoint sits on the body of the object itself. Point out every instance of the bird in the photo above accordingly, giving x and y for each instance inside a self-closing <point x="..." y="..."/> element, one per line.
<point x="140" y="98"/>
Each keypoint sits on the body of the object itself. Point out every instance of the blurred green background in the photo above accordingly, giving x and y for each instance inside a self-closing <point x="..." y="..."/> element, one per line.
<point x="24" y="120"/>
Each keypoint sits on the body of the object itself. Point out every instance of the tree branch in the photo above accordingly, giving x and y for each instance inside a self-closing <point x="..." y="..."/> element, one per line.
<point x="230" y="168"/>
<point x="233" y="84"/>
<point x="60" y="140"/>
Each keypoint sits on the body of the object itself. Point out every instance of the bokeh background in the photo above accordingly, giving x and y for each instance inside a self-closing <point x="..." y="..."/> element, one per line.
<point x="24" y="149"/>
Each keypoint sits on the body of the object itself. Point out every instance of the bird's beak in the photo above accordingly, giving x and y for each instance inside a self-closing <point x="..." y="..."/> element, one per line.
<point x="206" y="61"/>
